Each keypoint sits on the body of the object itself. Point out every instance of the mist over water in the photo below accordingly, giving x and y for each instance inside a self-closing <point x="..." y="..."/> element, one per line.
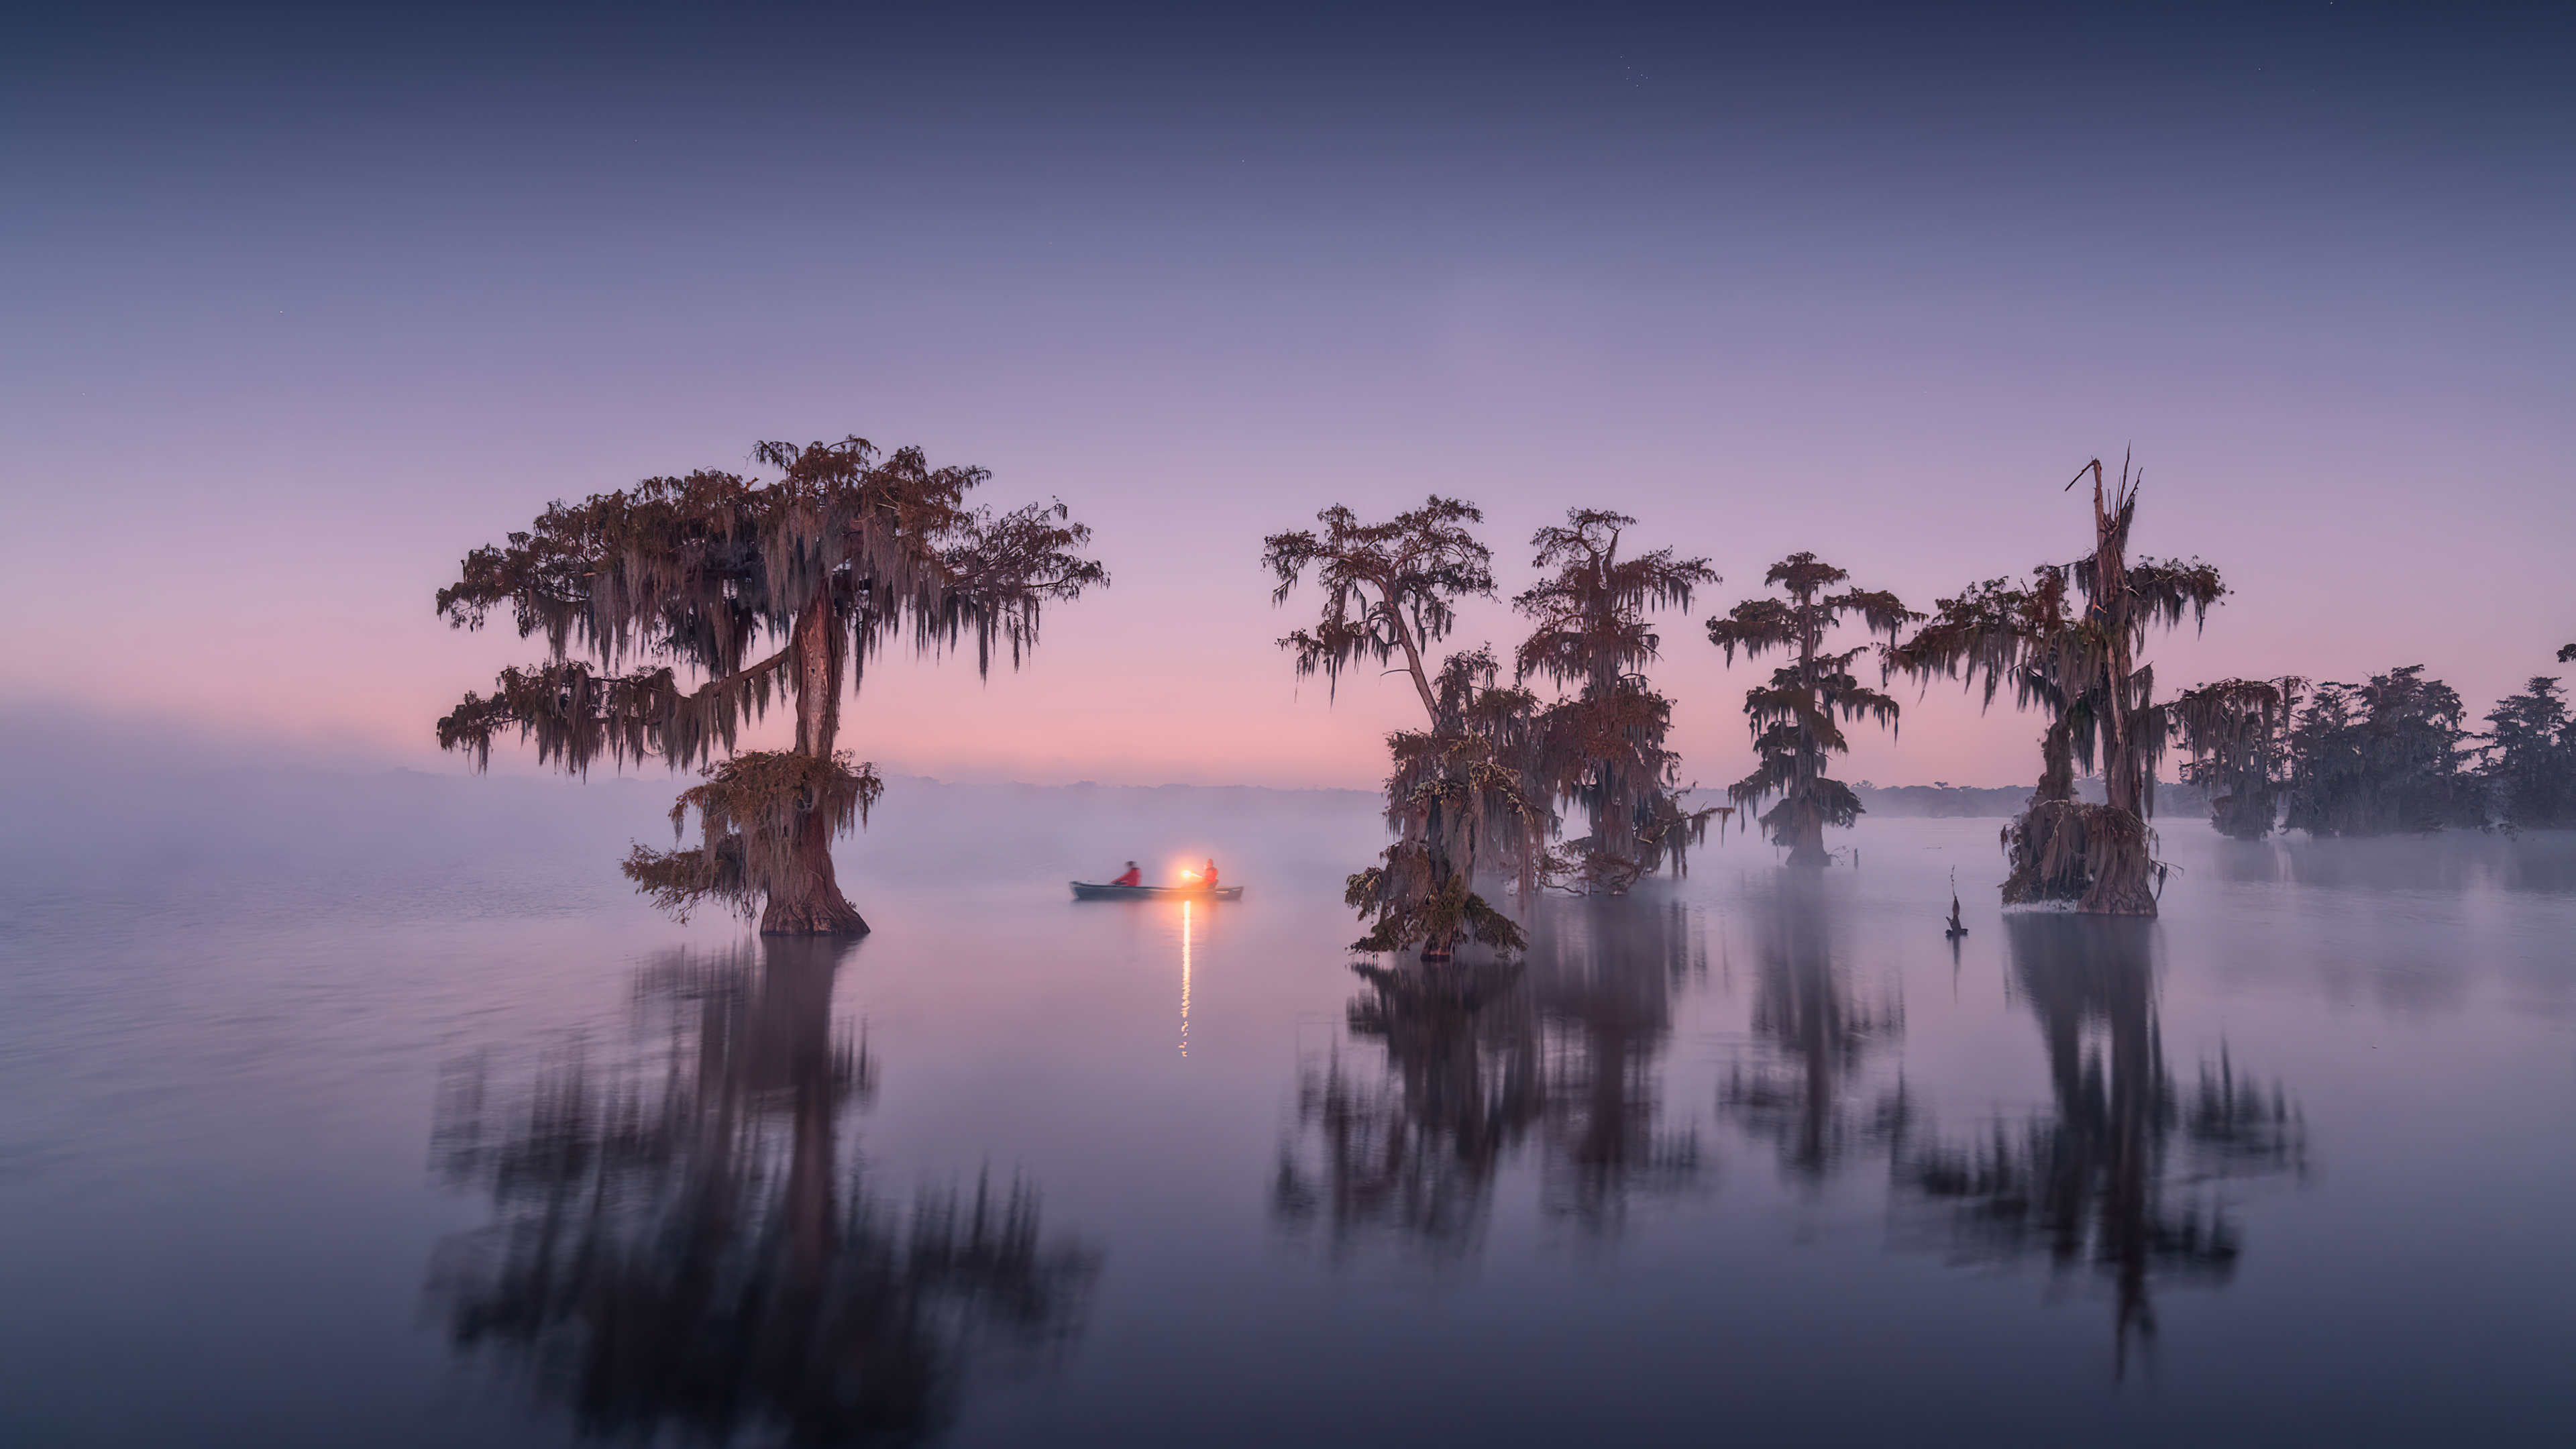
<point x="374" y="1108"/>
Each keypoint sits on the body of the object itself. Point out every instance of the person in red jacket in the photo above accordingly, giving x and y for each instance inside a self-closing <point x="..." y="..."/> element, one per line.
<point x="1207" y="882"/>
<point x="1132" y="877"/>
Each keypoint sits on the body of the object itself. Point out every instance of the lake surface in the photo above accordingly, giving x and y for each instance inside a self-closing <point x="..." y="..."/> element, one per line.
<point x="376" y="1111"/>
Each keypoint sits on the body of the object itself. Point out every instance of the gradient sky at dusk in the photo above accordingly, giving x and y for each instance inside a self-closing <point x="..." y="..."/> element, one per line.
<point x="296" y="307"/>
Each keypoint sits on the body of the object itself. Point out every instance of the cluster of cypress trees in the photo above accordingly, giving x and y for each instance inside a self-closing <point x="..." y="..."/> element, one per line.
<point x="2393" y="755"/>
<point x="636" y="591"/>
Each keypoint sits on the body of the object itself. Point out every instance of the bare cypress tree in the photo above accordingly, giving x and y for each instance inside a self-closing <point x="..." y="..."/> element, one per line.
<point x="845" y="550"/>
<point x="1453" y="799"/>
<point x="2236" y="732"/>
<point x="1603" y="749"/>
<point x="2082" y="666"/>
<point x="1793" y="717"/>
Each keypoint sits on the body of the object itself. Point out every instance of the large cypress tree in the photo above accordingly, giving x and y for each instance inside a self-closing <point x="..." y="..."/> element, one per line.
<point x="1602" y="749"/>
<point x="1794" y="717"/>
<point x="845" y="550"/>
<point x="1453" y="799"/>
<point x="2083" y="667"/>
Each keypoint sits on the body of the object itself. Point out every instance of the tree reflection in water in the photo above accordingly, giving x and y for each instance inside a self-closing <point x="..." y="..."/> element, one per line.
<point x="1804" y="1095"/>
<point x="677" y="1243"/>
<point x="2122" y="1171"/>
<point x="1407" y="1142"/>
<point x="1603" y="972"/>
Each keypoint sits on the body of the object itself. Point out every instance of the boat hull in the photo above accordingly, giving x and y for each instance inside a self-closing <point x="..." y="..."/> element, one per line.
<point x="1085" y="891"/>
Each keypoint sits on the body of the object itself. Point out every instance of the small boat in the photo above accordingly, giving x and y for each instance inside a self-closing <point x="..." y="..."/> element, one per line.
<point x="1085" y="891"/>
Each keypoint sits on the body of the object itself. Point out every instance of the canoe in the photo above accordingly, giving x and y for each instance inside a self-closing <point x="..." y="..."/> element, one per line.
<point x="1085" y="891"/>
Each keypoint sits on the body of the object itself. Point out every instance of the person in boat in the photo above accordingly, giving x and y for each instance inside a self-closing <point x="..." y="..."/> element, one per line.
<point x="1133" y="876"/>
<point x="1207" y="878"/>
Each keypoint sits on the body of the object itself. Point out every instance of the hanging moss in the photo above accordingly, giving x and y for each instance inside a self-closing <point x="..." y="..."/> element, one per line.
<point x="2236" y="733"/>
<point x="2097" y="857"/>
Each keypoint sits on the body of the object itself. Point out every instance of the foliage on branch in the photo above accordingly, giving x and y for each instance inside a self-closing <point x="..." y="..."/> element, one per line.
<point x="697" y="573"/>
<point x="1417" y="565"/>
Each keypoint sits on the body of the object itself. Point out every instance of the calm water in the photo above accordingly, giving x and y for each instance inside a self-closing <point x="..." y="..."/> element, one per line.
<point x="376" y="1112"/>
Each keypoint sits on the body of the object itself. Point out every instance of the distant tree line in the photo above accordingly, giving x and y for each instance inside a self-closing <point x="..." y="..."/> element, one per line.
<point x="2389" y="756"/>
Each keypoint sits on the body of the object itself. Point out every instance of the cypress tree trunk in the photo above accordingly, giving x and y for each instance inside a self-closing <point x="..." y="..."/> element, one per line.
<point x="1806" y="818"/>
<point x="808" y="902"/>
<point x="2056" y="763"/>
<point x="2116" y="842"/>
<point x="1439" y="946"/>
<point x="1807" y="836"/>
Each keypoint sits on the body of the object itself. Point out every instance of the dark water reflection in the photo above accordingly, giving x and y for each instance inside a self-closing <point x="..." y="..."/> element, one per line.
<point x="1806" y="1096"/>
<point x="1452" y="1071"/>
<point x="2124" y="1173"/>
<point x="685" y="1238"/>
<point x="1750" y="1156"/>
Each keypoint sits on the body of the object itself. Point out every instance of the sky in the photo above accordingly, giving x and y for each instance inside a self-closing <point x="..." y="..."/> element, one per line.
<point x="298" y="306"/>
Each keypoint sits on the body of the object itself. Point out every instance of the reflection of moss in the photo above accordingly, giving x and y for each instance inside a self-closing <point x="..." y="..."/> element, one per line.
<point x="675" y="1246"/>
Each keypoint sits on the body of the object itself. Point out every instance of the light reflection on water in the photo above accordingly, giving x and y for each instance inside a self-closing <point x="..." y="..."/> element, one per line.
<point x="1753" y="1154"/>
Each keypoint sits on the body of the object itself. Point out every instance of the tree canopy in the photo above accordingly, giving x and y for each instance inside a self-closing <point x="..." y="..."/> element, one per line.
<point x="1417" y="564"/>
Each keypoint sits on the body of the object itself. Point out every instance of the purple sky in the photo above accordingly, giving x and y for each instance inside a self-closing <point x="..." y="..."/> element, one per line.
<point x="296" y="309"/>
